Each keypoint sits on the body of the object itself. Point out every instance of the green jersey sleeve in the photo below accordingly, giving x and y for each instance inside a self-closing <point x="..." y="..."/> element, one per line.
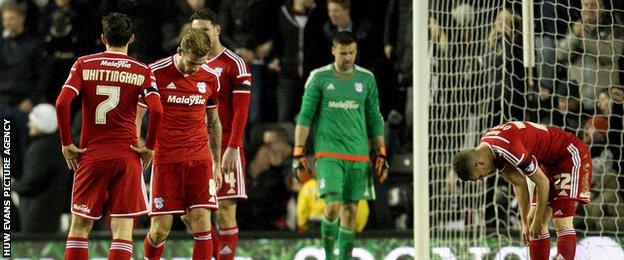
<point x="374" y="120"/>
<point x="310" y="102"/>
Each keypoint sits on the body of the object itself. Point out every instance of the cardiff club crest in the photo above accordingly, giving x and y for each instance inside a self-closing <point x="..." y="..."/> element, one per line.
<point x="359" y="87"/>
<point x="201" y="87"/>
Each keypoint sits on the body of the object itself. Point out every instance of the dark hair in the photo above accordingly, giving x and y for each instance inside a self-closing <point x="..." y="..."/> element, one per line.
<point x="461" y="163"/>
<point x="195" y="41"/>
<point x="206" y="14"/>
<point x="344" y="38"/>
<point x="117" y="28"/>
<point x="346" y="4"/>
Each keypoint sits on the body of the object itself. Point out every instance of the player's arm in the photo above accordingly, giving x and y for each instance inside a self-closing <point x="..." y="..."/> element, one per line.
<point x="375" y="127"/>
<point x="542" y="188"/>
<point x="69" y="91"/>
<point x="521" y="190"/>
<point x="240" y="102"/>
<point x="214" y="139"/>
<point x="309" y="108"/>
<point x="141" y="110"/>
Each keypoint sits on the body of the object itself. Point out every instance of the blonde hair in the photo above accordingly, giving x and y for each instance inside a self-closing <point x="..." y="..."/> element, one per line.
<point x="195" y="41"/>
<point x="509" y="28"/>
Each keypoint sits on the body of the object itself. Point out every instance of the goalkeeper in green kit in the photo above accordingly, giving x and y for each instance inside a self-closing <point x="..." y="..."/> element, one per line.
<point x="340" y="104"/>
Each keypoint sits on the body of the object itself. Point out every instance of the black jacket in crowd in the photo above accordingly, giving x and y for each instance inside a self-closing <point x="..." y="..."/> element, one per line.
<point x="20" y="61"/>
<point x="44" y="188"/>
<point x="316" y="51"/>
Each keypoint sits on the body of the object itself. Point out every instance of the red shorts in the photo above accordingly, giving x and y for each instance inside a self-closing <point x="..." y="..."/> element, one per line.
<point x="181" y="186"/>
<point x="119" y="180"/>
<point x="233" y="185"/>
<point x="570" y="181"/>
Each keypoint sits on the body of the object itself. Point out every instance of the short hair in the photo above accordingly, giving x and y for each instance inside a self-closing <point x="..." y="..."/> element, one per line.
<point x="117" y="28"/>
<point x="195" y="41"/>
<point x="462" y="163"/>
<point x="13" y="7"/>
<point x="346" y="4"/>
<point x="344" y="38"/>
<point x="205" y="14"/>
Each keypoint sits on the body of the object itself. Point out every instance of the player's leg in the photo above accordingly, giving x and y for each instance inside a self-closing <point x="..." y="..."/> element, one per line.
<point x="228" y="229"/>
<point x="201" y="196"/>
<point x="199" y="222"/>
<point x="88" y="196"/>
<point x="77" y="247"/>
<point x="121" y="247"/>
<point x="154" y="243"/>
<point x="346" y="233"/>
<point x="539" y="247"/>
<point x="564" y="224"/>
<point x="330" y="176"/>
<point x="128" y="199"/>
<point x="356" y="187"/>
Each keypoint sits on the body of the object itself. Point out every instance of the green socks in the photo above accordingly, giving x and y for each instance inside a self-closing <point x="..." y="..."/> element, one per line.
<point x="329" y="234"/>
<point x="345" y="243"/>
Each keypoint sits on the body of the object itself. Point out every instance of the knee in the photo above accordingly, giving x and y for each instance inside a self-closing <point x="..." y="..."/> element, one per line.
<point x="159" y="234"/>
<point x="227" y="214"/>
<point x="332" y="210"/>
<point x="81" y="225"/>
<point x="563" y="223"/>
<point x="348" y="212"/>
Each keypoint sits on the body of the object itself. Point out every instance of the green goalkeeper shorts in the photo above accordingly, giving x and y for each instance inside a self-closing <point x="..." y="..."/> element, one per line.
<point x="344" y="181"/>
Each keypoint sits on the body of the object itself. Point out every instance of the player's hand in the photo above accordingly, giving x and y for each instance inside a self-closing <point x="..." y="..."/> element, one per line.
<point x="228" y="162"/>
<point x="381" y="165"/>
<point x="145" y="153"/>
<point x="218" y="177"/>
<point x="525" y="234"/>
<point x="71" y="153"/>
<point x="300" y="165"/>
<point x="536" y="228"/>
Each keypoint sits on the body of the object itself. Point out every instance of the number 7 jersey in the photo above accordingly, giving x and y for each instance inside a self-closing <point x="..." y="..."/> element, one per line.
<point x="110" y="84"/>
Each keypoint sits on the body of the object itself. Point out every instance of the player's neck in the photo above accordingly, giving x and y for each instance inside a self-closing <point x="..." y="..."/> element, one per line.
<point x="337" y="68"/>
<point x="117" y="49"/>
<point x="485" y="151"/>
<point x="218" y="49"/>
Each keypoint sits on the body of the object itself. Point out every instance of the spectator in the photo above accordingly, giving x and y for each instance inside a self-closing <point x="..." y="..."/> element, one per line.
<point x="173" y="30"/>
<point x="299" y="48"/>
<point x="44" y="187"/>
<point x="605" y="212"/>
<point x="505" y="44"/>
<point x="567" y="114"/>
<point x="592" y="50"/>
<point x="20" y="58"/>
<point x="247" y="28"/>
<point x="397" y="40"/>
<point x="265" y="208"/>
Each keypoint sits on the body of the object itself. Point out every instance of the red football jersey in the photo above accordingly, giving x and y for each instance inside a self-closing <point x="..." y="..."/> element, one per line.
<point x="184" y="133"/>
<point x="527" y="145"/>
<point x="234" y="95"/>
<point x="110" y="84"/>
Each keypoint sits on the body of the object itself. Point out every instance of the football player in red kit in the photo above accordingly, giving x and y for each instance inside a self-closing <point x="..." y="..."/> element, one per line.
<point x="557" y="162"/>
<point x="107" y="164"/>
<point x="186" y="172"/>
<point x="234" y="96"/>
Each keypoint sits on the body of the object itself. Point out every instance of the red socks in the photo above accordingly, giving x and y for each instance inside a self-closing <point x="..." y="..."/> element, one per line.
<point x="120" y="250"/>
<point x="566" y="244"/>
<point x="539" y="248"/>
<point x="228" y="240"/>
<point x="151" y="250"/>
<point x="76" y="249"/>
<point x="202" y="245"/>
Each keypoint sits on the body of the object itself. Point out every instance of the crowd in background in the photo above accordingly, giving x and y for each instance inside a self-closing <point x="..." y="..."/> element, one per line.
<point x="477" y="52"/>
<point x="281" y="40"/>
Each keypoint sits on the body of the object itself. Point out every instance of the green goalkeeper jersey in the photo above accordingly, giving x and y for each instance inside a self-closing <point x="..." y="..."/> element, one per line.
<point x="343" y="111"/>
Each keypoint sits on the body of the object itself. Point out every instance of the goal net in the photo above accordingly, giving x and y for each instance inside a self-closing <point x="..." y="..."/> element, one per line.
<point x="478" y="80"/>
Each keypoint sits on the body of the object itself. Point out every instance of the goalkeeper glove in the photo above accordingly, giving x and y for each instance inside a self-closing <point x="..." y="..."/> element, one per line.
<point x="381" y="165"/>
<point x="300" y="165"/>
